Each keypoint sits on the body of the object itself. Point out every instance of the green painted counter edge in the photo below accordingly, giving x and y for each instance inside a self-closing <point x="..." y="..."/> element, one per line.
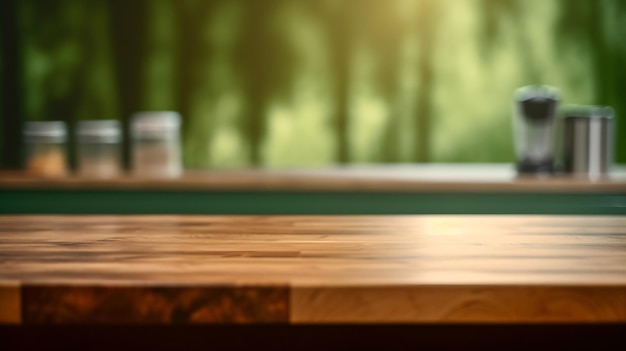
<point x="29" y="201"/>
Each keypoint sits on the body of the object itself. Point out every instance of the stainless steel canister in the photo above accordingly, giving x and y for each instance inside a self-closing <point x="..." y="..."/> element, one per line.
<point x="588" y="141"/>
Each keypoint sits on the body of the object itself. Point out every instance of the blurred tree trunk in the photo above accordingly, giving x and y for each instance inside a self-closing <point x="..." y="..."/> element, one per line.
<point x="426" y="34"/>
<point x="193" y="54"/>
<point x="11" y="85"/>
<point x="193" y="49"/>
<point x="388" y="37"/>
<point x="607" y="33"/>
<point x="600" y="60"/>
<point x="128" y="38"/>
<point x="259" y="71"/>
<point x="340" y="32"/>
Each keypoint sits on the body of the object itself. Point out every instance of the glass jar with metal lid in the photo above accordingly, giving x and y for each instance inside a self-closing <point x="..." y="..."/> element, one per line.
<point x="99" y="148"/>
<point x="45" y="148"/>
<point x="156" y="144"/>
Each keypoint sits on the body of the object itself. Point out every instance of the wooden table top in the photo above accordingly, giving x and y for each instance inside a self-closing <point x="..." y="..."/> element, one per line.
<point x="410" y="177"/>
<point x="312" y="269"/>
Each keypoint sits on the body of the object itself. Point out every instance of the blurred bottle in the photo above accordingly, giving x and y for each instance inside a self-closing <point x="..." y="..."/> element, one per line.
<point x="45" y="144"/>
<point x="99" y="147"/>
<point x="156" y="144"/>
<point x="534" y="129"/>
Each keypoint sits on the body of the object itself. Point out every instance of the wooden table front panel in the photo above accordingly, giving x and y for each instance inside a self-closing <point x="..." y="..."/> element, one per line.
<point x="312" y="269"/>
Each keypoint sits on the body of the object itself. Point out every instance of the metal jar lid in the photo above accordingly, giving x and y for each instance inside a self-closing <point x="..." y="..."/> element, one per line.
<point x="155" y="124"/>
<point x="588" y="112"/>
<point x="45" y="131"/>
<point x="99" y="131"/>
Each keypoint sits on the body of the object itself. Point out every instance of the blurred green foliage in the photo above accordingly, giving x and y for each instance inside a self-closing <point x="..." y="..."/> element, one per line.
<point x="283" y="83"/>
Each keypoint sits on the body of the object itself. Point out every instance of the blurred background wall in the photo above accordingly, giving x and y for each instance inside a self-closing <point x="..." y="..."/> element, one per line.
<point x="286" y="83"/>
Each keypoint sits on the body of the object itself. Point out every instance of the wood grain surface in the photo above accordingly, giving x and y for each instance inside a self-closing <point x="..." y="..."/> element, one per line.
<point x="313" y="269"/>
<point x="10" y="303"/>
<point x="50" y="304"/>
<point x="424" y="178"/>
